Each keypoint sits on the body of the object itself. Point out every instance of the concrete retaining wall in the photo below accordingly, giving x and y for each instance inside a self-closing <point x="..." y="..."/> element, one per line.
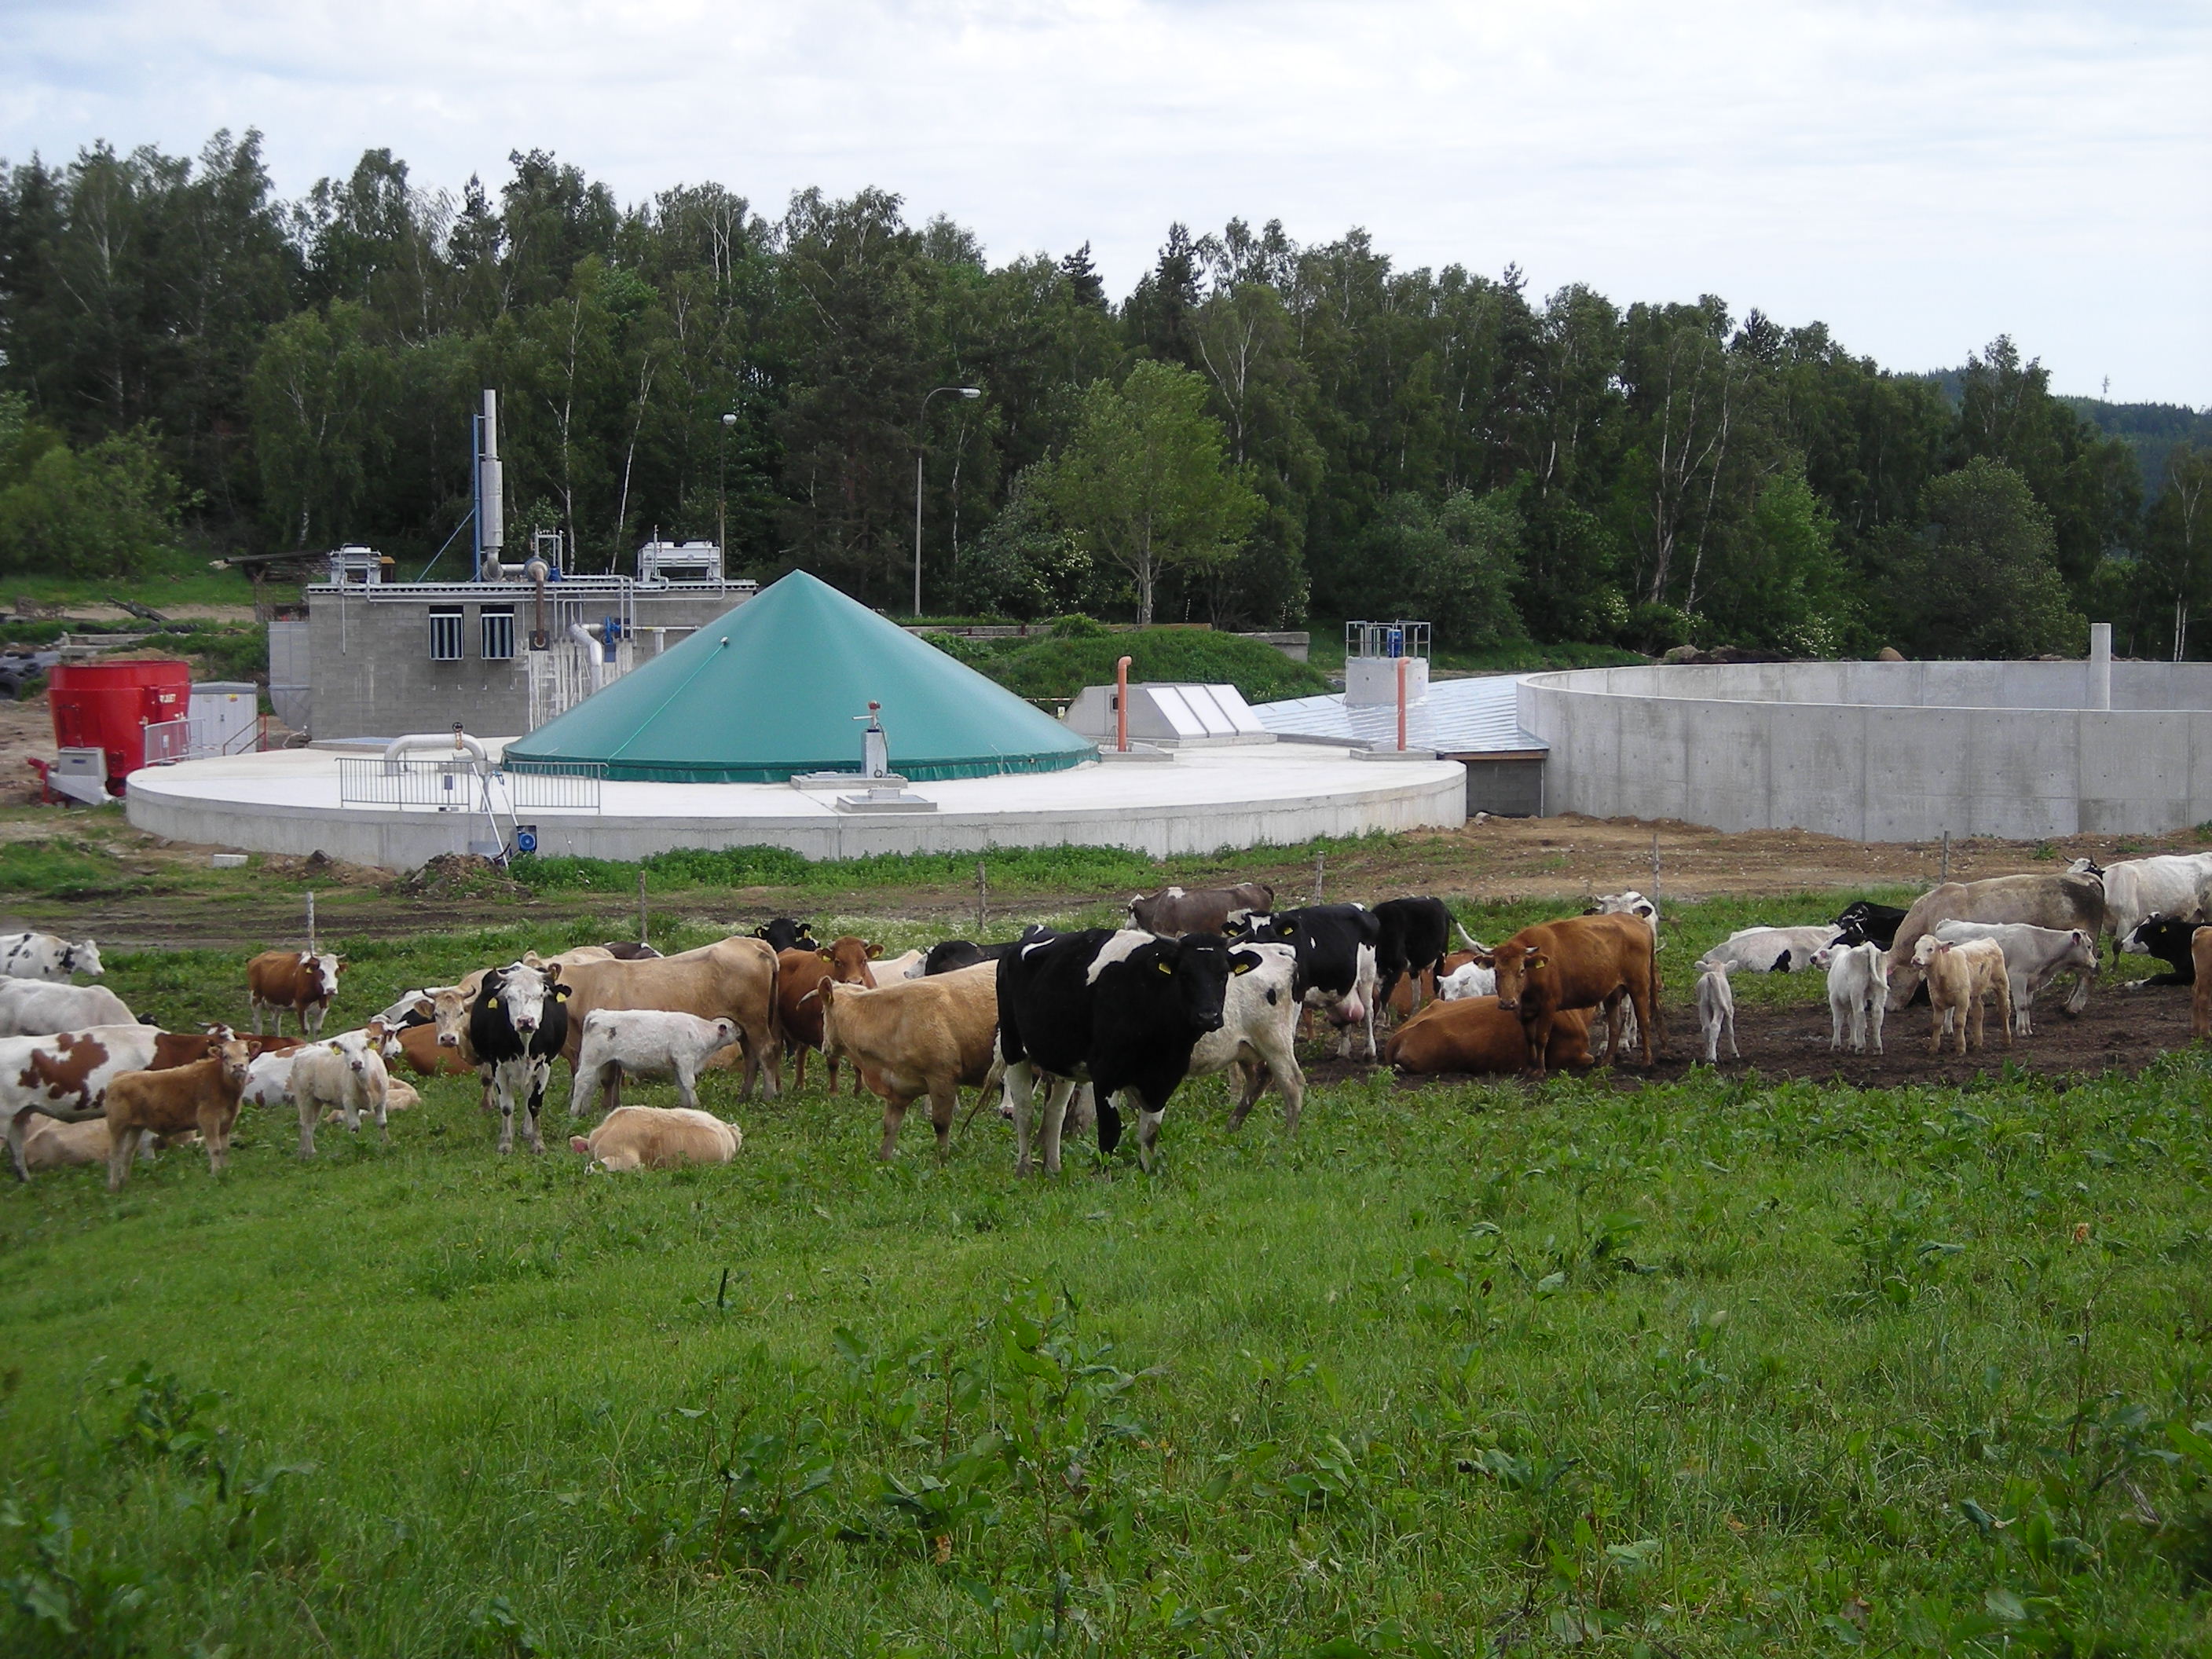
<point x="1880" y="751"/>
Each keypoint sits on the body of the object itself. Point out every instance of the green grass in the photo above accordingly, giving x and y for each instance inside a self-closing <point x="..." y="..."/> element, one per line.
<point x="180" y="576"/>
<point x="1043" y="666"/>
<point x="1724" y="1367"/>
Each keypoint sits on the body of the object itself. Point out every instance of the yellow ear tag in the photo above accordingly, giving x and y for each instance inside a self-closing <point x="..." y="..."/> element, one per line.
<point x="491" y="1002"/>
<point x="1242" y="968"/>
<point x="1163" y="967"/>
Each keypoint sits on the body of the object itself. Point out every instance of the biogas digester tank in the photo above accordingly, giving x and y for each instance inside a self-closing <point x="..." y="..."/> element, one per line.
<point x="108" y="706"/>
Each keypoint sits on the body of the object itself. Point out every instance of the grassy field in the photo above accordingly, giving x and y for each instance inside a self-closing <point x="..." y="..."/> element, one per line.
<point x="1724" y="1367"/>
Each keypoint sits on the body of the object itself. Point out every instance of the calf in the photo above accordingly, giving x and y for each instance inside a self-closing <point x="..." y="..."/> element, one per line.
<point x="659" y="1138"/>
<point x="645" y="1042"/>
<point x="1120" y="1010"/>
<point x="347" y="1079"/>
<point x="1717" y="1011"/>
<point x="2033" y="958"/>
<point x="1769" y="950"/>
<point x="1864" y="922"/>
<point x="2200" y="999"/>
<point x="1464" y="976"/>
<point x="1629" y="904"/>
<point x="49" y="1143"/>
<point x="1961" y="978"/>
<point x="47" y="957"/>
<point x="202" y="1095"/>
<point x="2171" y="939"/>
<point x="1474" y="1034"/>
<point x="66" y="1075"/>
<point x="784" y="934"/>
<point x="1858" y="992"/>
<point x="1257" y="1039"/>
<point x="1413" y="936"/>
<point x="1584" y="961"/>
<point x="912" y="1037"/>
<point x="1175" y="911"/>
<point x="799" y="979"/>
<point x="31" y="1007"/>
<point x="297" y="982"/>
<point x="1338" y="947"/>
<point x="517" y="1023"/>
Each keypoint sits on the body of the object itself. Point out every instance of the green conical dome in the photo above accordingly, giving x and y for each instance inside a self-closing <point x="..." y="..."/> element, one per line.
<point x="773" y="688"/>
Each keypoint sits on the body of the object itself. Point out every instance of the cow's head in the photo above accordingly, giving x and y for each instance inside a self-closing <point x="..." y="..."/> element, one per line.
<point x="81" y="957"/>
<point x="785" y="934"/>
<point x="1629" y="904"/>
<point x="847" y="959"/>
<point x="234" y="1058"/>
<point x="2086" y="867"/>
<point x="1826" y="956"/>
<point x="448" y="1009"/>
<point x="1518" y="967"/>
<point x="944" y="956"/>
<point x="726" y="1033"/>
<point x="2081" y="950"/>
<point x="383" y="1036"/>
<point x="1201" y="965"/>
<point x="522" y="992"/>
<point x="323" y="973"/>
<point x="1926" y="951"/>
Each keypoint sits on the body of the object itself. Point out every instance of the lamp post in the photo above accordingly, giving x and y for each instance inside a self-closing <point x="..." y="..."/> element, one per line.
<point x="969" y="391"/>
<point x="722" y="495"/>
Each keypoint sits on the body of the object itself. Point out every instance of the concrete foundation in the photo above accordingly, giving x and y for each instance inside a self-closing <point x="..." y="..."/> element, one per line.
<point x="1881" y="752"/>
<point x="1208" y="800"/>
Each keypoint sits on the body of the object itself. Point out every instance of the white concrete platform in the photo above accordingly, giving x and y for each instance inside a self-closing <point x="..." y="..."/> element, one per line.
<point x="1207" y="800"/>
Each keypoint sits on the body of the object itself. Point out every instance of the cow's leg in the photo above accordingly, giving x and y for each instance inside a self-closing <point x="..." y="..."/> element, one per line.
<point x="2079" y="998"/>
<point x="1836" y="1014"/>
<point x="1729" y="1014"/>
<point x="503" y="1091"/>
<point x="15" y="1145"/>
<point x="944" y="1105"/>
<point x="1250" y="1078"/>
<point x="799" y="1067"/>
<point x="119" y="1150"/>
<point x="585" y="1082"/>
<point x="894" y="1115"/>
<point x="1877" y="1006"/>
<point x="1017" y="1085"/>
<point x="540" y="1074"/>
<point x="215" y="1130"/>
<point x="774" y="1062"/>
<point x="311" y="1113"/>
<point x="1148" y="1132"/>
<point x="1055" y="1116"/>
<point x="255" y="1003"/>
<point x="2005" y="1015"/>
<point x="2023" y="1006"/>
<point x="1537" y="1028"/>
<point x="687" y="1084"/>
<point x="1646" y="1004"/>
<point x="830" y="1070"/>
<point x="1614" y="1033"/>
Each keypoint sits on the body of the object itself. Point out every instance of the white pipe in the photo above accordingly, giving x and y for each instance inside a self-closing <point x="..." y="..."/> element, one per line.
<point x="2100" y="665"/>
<point x="583" y="635"/>
<point x="459" y="740"/>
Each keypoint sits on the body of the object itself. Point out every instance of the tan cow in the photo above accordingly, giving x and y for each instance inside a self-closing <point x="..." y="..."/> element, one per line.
<point x="798" y="975"/>
<point x="734" y="980"/>
<point x="202" y="1095"/>
<point x="915" y="1037"/>
<point x="659" y="1138"/>
<point x="1475" y="1034"/>
<point x="1961" y="978"/>
<point x="48" y="1145"/>
<point x="1584" y="962"/>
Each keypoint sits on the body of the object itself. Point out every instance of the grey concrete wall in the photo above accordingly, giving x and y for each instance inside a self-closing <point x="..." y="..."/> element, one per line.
<point x="1880" y="751"/>
<point x="369" y="656"/>
<point x="1505" y="789"/>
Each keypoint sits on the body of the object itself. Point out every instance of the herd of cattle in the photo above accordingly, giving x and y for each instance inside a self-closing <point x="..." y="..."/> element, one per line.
<point x="1100" y="1020"/>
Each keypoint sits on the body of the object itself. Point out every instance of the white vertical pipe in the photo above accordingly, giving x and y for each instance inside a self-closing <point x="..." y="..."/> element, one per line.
<point x="2100" y="665"/>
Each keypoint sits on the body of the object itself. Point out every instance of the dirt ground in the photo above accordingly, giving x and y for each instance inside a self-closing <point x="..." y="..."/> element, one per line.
<point x="2119" y="1031"/>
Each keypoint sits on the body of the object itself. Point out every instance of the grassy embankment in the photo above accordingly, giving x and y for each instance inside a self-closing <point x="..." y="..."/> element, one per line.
<point x="1720" y="1367"/>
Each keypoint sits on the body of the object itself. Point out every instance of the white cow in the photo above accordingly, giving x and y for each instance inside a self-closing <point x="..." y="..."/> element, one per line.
<point x="1716" y="1011"/>
<point x="65" y="1073"/>
<point x="1769" y="950"/>
<point x="646" y="1042"/>
<point x="46" y="957"/>
<point x="2135" y="889"/>
<point x="1258" y="1036"/>
<point x="1470" y="979"/>
<point x="2033" y="958"/>
<point x="1858" y="992"/>
<point x="32" y="1007"/>
<point x="1629" y="904"/>
<point x="345" y="1080"/>
<point x="659" y="1138"/>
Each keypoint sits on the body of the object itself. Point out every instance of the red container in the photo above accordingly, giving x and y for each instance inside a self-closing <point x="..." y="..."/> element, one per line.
<point x="109" y="705"/>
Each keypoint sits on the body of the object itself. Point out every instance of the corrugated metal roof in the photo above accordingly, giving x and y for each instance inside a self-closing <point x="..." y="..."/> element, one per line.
<point x="1479" y="716"/>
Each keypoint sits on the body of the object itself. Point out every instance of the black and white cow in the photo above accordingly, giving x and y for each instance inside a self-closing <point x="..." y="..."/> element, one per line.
<point x="517" y="1023"/>
<point x="1119" y="1010"/>
<point x="1416" y="936"/>
<point x="47" y="957"/>
<point x="1865" y="922"/>
<point x="785" y="934"/>
<point x="1338" y="948"/>
<point x="2169" y="939"/>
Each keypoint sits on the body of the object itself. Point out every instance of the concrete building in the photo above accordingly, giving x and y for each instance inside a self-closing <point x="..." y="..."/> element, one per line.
<point x="374" y="658"/>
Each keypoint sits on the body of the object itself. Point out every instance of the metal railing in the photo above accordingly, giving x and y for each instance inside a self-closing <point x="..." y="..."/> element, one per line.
<point x="455" y="786"/>
<point x="557" y="785"/>
<point x="168" y="742"/>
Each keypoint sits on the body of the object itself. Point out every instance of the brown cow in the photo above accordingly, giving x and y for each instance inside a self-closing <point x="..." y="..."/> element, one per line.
<point x="426" y="1053"/>
<point x="1475" y="1034"/>
<point x="734" y="980"/>
<point x="202" y="1095"/>
<point x="799" y="976"/>
<point x="173" y="1048"/>
<point x="915" y="1037"/>
<point x="1584" y="962"/>
<point x="298" y="982"/>
<point x="1175" y="911"/>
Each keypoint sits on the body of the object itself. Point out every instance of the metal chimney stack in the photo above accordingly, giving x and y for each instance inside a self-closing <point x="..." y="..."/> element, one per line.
<point x="491" y="514"/>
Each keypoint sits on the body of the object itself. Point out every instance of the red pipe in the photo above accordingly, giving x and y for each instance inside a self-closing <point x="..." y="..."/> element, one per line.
<point x="1401" y="705"/>
<point x="1121" y="705"/>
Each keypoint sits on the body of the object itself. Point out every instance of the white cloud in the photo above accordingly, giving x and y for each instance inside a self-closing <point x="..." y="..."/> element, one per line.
<point x="1922" y="177"/>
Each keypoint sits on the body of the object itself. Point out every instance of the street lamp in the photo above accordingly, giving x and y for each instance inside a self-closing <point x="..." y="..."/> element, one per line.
<point x="959" y="390"/>
<point x="722" y="496"/>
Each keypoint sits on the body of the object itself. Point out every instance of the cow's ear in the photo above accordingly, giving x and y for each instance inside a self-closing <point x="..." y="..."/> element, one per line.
<point x="1243" y="961"/>
<point x="875" y="951"/>
<point x="826" y="956"/>
<point x="1535" y="959"/>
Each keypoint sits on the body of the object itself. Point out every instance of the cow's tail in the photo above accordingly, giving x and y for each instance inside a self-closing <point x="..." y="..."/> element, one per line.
<point x="774" y="1003"/>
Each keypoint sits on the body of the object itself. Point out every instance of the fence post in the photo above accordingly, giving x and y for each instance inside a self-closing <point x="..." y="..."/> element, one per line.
<point x="1321" y="870"/>
<point x="641" y="906"/>
<point x="311" y="924"/>
<point x="1946" y="876"/>
<point x="982" y="901"/>
<point x="1655" y="869"/>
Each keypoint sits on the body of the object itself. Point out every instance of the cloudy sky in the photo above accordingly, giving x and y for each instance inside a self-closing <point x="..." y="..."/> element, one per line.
<point x="1922" y="175"/>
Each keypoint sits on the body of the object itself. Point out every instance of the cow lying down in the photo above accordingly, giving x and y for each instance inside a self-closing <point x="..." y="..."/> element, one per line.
<point x="1474" y="1034"/>
<point x="49" y="1143"/>
<point x="659" y="1138"/>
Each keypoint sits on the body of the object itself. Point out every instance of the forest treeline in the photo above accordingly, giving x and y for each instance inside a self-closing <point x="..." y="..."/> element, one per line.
<point x="1260" y="431"/>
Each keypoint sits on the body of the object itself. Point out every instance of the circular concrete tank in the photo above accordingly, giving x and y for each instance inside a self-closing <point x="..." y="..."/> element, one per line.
<point x="1881" y="752"/>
